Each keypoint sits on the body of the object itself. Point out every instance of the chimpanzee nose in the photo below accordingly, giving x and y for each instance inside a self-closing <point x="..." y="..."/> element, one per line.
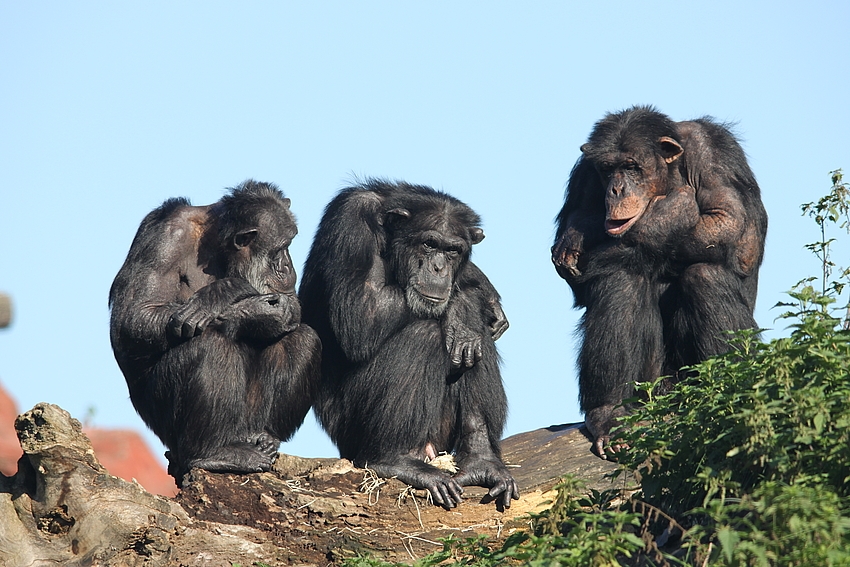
<point x="616" y="187"/>
<point x="438" y="264"/>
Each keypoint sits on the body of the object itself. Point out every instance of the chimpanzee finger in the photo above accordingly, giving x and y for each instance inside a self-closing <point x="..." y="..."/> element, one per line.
<point x="599" y="445"/>
<point x="450" y="340"/>
<point x="446" y="500"/>
<point x="512" y="493"/>
<point x="499" y="488"/>
<point x="188" y="330"/>
<point x="456" y="355"/>
<point x="498" y="329"/>
<point x="436" y="496"/>
<point x="174" y="326"/>
<point x="469" y="355"/>
<point x="196" y="326"/>
<point x="505" y="498"/>
<point x="198" y="321"/>
<point x="455" y="491"/>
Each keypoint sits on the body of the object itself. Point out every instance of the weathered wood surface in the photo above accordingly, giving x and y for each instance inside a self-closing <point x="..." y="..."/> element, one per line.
<point x="63" y="508"/>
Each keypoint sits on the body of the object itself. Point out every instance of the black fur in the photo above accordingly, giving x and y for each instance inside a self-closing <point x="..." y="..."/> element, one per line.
<point x="404" y="375"/>
<point x="206" y="328"/>
<point x="660" y="238"/>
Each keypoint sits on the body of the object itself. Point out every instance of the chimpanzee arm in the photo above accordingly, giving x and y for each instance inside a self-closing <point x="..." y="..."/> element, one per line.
<point x="475" y="309"/>
<point x="155" y="278"/>
<point x="480" y="464"/>
<point x="712" y="217"/>
<point x="161" y="293"/>
<point x="347" y="270"/>
<point x="732" y="222"/>
<point x="473" y="281"/>
<point x="580" y="224"/>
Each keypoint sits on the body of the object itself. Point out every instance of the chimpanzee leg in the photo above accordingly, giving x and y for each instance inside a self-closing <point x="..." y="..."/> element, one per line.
<point x="707" y="301"/>
<point x="480" y="411"/>
<point x="622" y="343"/>
<point x="212" y="430"/>
<point x="392" y="403"/>
<point x="391" y="408"/>
<point x="281" y="391"/>
<point x="480" y="407"/>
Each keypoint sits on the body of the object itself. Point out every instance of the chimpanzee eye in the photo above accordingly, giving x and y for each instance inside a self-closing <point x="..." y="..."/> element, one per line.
<point x="427" y="246"/>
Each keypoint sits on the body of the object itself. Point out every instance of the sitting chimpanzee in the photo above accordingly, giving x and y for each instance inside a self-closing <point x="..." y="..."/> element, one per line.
<point x="660" y="239"/>
<point x="206" y="329"/>
<point x="408" y="326"/>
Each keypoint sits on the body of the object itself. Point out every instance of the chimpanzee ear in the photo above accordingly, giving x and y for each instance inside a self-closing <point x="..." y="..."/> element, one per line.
<point x="286" y="202"/>
<point x="476" y="235"/>
<point x="670" y="149"/>
<point x="244" y="238"/>
<point x="394" y="215"/>
<point x="585" y="148"/>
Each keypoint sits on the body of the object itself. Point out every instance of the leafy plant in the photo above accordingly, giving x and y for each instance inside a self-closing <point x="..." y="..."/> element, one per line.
<point x="754" y="446"/>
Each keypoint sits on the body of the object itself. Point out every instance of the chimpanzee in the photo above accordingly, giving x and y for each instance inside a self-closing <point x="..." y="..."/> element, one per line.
<point x="408" y="324"/>
<point x="205" y="326"/>
<point x="660" y="238"/>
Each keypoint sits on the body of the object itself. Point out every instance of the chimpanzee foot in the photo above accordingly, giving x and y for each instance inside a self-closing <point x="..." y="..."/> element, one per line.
<point x="256" y="454"/>
<point x="599" y="422"/>
<point x="265" y="443"/>
<point x="444" y="490"/>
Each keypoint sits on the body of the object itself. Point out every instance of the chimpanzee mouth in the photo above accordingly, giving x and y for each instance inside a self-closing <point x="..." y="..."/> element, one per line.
<point x="433" y="299"/>
<point x="430" y="304"/>
<point x="432" y="296"/>
<point x="618" y="227"/>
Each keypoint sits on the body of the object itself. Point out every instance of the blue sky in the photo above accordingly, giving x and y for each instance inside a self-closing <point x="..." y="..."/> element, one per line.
<point x="107" y="109"/>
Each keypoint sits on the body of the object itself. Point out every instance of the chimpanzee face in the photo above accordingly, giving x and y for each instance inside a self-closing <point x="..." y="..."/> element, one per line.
<point x="433" y="260"/>
<point x="634" y="174"/>
<point x="261" y="251"/>
<point x="426" y="254"/>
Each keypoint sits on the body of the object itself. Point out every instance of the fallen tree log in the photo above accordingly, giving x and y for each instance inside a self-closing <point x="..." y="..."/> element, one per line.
<point x="62" y="507"/>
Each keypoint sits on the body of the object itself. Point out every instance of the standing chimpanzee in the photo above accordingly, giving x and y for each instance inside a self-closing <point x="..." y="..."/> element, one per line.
<point x="660" y="239"/>
<point x="206" y="329"/>
<point x="408" y="326"/>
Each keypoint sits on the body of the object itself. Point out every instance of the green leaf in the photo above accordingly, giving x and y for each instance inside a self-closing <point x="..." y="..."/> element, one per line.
<point x="728" y="540"/>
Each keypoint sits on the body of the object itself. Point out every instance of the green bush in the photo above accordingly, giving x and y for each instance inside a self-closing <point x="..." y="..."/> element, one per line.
<point x="753" y="449"/>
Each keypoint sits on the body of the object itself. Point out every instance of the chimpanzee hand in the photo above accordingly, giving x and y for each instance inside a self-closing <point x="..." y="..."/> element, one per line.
<point x="266" y="316"/>
<point x="492" y="474"/>
<point x="565" y="257"/>
<point x="499" y="324"/>
<point x="191" y="319"/>
<point x="445" y="491"/>
<point x="668" y="219"/>
<point x="205" y="305"/>
<point x="463" y="344"/>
